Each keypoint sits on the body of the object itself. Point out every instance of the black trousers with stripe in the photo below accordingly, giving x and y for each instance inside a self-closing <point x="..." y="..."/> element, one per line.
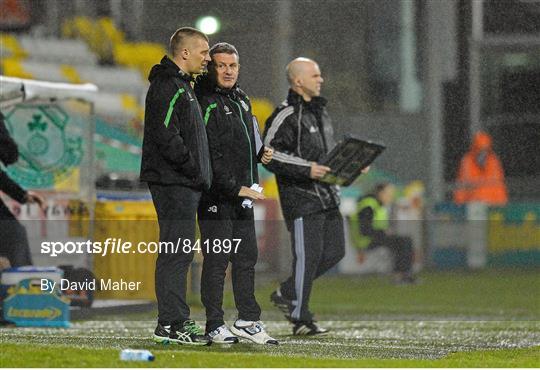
<point x="221" y="221"/>
<point x="318" y="244"/>
<point x="176" y="208"/>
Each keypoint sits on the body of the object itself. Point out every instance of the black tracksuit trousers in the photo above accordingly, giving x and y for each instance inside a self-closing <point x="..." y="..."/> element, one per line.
<point x="318" y="244"/>
<point x="176" y="208"/>
<point x="220" y="221"/>
<point x="402" y="249"/>
<point x="13" y="239"/>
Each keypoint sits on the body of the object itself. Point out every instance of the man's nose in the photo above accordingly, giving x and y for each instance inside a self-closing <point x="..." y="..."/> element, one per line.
<point x="207" y="58"/>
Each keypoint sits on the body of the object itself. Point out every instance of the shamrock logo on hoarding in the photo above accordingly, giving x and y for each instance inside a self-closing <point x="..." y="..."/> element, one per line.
<point x="49" y="149"/>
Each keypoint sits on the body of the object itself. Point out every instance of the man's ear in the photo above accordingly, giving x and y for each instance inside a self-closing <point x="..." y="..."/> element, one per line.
<point x="297" y="82"/>
<point x="185" y="53"/>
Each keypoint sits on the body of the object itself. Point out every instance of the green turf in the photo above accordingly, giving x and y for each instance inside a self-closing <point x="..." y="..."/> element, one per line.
<point x="498" y="293"/>
<point x="62" y="356"/>
<point x="458" y="319"/>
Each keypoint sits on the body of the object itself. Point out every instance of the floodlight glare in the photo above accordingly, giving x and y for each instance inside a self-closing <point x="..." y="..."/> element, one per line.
<point x="209" y="25"/>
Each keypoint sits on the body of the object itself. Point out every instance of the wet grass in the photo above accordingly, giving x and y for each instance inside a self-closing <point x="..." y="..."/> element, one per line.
<point x="64" y="356"/>
<point x="481" y="319"/>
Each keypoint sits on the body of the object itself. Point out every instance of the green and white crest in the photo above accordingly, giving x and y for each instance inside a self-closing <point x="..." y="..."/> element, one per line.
<point x="48" y="151"/>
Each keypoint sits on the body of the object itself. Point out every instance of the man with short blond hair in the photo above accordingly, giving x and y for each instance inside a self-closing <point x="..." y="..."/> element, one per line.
<point x="183" y="36"/>
<point x="176" y="166"/>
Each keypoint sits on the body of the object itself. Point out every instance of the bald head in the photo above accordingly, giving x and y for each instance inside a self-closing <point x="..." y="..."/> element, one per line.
<point x="304" y="77"/>
<point x="298" y="67"/>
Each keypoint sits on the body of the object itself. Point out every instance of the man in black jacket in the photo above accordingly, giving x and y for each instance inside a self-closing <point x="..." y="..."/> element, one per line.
<point x="176" y="166"/>
<point x="223" y="215"/>
<point x="301" y="134"/>
<point x="13" y="240"/>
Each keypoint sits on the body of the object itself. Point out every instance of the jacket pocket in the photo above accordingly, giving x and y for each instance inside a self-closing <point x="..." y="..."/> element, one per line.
<point x="190" y="168"/>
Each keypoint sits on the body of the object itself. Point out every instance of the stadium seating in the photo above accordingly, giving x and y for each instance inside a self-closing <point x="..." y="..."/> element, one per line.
<point x="84" y="58"/>
<point x="57" y="50"/>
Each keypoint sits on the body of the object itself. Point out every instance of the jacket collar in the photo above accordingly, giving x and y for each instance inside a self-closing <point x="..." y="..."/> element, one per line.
<point x="317" y="103"/>
<point x="232" y="93"/>
<point x="169" y="64"/>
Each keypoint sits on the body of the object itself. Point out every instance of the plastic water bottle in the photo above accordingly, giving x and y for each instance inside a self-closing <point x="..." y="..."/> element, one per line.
<point x="136" y="355"/>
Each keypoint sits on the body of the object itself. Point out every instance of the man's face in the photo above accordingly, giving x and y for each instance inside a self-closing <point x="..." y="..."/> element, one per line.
<point x="197" y="56"/>
<point x="227" y="68"/>
<point x="311" y="80"/>
<point x="386" y="196"/>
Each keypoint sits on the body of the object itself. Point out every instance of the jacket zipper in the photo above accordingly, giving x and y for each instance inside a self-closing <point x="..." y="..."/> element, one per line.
<point x="300" y="154"/>
<point x="199" y="139"/>
<point x="249" y="139"/>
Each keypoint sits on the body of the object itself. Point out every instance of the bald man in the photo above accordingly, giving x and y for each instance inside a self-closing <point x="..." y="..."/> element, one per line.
<point x="301" y="134"/>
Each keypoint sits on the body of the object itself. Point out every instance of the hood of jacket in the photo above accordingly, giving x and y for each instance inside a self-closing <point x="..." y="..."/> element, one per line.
<point x="167" y="68"/>
<point x="481" y="141"/>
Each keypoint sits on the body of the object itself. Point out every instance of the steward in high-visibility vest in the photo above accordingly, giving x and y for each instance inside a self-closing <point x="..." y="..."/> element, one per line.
<point x="481" y="175"/>
<point x="369" y="229"/>
<point x="362" y="238"/>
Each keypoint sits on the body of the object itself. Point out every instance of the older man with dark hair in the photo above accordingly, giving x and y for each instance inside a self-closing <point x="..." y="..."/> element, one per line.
<point x="176" y="166"/>
<point x="224" y="214"/>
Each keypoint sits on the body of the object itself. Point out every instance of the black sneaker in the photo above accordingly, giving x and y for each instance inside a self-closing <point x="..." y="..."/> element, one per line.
<point x="161" y="334"/>
<point x="308" y="328"/>
<point x="189" y="333"/>
<point x="283" y="304"/>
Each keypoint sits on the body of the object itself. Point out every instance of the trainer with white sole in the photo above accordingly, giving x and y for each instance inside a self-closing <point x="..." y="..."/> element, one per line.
<point x="226" y="215"/>
<point x="253" y="331"/>
<point x="176" y="165"/>
<point x="222" y="335"/>
<point x="301" y="134"/>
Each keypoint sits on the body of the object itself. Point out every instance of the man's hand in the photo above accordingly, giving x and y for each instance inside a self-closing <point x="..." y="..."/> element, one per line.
<point x="267" y="156"/>
<point x="366" y="170"/>
<point x="4" y="263"/>
<point x="246" y="192"/>
<point x="32" y="197"/>
<point x="318" y="171"/>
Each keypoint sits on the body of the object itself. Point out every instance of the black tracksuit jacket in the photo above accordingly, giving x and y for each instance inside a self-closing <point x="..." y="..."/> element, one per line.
<point x="231" y="138"/>
<point x="175" y="145"/>
<point x="300" y="132"/>
<point x="8" y="155"/>
<point x="13" y="239"/>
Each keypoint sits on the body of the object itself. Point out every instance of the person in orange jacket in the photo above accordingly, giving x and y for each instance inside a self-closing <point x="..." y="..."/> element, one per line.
<point x="481" y="176"/>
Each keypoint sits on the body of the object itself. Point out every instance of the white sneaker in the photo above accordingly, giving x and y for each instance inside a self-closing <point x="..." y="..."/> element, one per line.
<point x="222" y="335"/>
<point x="252" y="330"/>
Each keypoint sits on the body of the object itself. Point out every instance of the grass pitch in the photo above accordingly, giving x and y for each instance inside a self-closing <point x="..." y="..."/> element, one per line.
<point x="451" y="319"/>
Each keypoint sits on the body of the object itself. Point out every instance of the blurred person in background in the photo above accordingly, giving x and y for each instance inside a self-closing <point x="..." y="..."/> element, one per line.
<point x="14" y="247"/>
<point x="232" y="138"/>
<point x="300" y="133"/>
<point x="481" y="175"/>
<point x="370" y="229"/>
<point x="176" y="166"/>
